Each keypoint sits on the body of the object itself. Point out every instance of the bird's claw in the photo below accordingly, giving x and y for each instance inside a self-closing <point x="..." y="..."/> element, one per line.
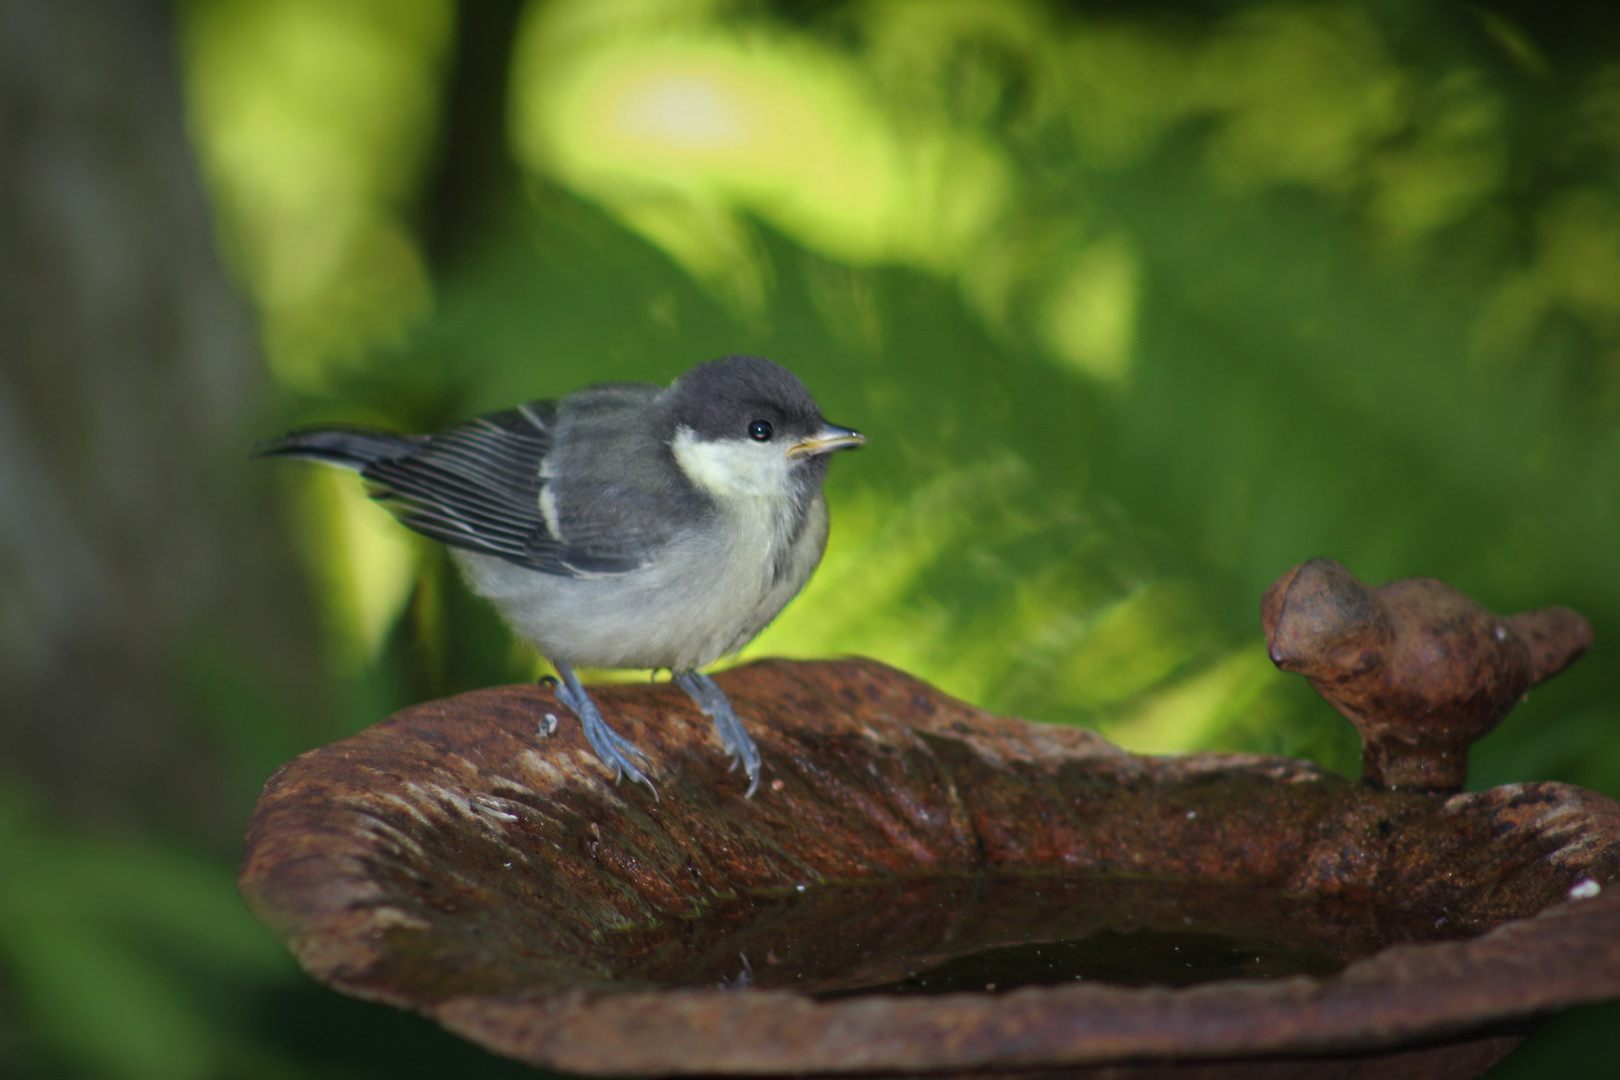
<point x="614" y="749"/>
<point x="734" y="738"/>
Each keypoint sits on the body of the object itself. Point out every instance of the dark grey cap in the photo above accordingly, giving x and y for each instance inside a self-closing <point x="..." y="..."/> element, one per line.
<point x="719" y="399"/>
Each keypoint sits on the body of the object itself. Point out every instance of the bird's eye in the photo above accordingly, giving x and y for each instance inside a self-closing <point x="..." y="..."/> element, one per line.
<point x="761" y="431"/>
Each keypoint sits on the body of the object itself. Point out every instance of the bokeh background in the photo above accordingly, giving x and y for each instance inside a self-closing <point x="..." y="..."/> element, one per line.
<point x="1139" y="304"/>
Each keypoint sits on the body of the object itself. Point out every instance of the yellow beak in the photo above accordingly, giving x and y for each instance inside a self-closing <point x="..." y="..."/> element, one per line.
<point x="831" y="437"/>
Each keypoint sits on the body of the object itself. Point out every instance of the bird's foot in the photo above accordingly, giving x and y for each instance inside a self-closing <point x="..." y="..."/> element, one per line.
<point x="708" y="696"/>
<point x="614" y="749"/>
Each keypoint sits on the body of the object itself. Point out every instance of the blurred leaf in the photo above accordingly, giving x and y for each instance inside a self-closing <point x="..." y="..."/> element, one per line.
<point x="313" y="118"/>
<point x="103" y="1008"/>
<point x="1572" y="1044"/>
<point x="118" y="955"/>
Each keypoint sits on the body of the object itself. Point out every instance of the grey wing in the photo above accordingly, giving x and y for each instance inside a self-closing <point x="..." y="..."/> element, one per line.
<point x="618" y="490"/>
<point x="478" y="486"/>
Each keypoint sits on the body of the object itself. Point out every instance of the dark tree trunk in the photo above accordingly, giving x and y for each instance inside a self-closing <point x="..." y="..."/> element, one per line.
<point x="471" y="195"/>
<point x="126" y="367"/>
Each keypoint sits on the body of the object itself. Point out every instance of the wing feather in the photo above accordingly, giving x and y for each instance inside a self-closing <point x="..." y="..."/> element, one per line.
<point x="477" y="486"/>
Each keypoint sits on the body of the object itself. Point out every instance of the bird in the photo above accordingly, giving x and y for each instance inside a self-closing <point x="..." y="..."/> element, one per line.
<point x="625" y="525"/>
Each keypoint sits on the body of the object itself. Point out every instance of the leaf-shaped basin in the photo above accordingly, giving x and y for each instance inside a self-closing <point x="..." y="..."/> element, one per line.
<point x="456" y="861"/>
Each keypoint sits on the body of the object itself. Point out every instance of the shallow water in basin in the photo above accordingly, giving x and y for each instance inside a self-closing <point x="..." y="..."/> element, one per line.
<point x="1131" y="958"/>
<point x="948" y="935"/>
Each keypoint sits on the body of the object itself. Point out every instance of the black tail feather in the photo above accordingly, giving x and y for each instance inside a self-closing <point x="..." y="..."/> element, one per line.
<point x="348" y="448"/>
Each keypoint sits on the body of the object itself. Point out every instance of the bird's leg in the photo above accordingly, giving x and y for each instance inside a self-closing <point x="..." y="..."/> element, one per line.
<point x="614" y="749"/>
<point x="717" y="707"/>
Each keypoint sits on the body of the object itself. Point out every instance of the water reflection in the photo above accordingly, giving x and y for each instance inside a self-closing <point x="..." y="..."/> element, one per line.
<point x="998" y="933"/>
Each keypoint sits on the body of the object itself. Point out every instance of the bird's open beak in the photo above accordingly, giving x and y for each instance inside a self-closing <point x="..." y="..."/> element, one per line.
<point x="831" y="437"/>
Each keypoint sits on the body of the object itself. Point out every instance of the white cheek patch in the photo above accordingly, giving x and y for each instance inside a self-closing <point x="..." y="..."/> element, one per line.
<point x="731" y="467"/>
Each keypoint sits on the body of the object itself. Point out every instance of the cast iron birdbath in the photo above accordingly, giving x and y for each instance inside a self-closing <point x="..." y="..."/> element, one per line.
<point x="922" y="887"/>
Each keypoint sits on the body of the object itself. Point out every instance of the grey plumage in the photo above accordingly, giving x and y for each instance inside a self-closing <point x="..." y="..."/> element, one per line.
<point x="626" y="525"/>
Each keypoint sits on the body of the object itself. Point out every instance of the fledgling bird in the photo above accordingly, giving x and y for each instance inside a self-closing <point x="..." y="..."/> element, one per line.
<point x="623" y="526"/>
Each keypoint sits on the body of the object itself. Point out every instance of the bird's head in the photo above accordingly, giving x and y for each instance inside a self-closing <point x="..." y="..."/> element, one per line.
<point x="745" y="426"/>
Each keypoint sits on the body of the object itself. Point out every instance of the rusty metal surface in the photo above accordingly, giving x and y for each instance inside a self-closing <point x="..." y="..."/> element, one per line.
<point x="454" y="861"/>
<point x="1445" y="1061"/>
<point x="1419" y="668"/>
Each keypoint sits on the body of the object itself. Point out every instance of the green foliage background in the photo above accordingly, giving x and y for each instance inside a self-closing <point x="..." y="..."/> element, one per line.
<point x="1138" y="305"/>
